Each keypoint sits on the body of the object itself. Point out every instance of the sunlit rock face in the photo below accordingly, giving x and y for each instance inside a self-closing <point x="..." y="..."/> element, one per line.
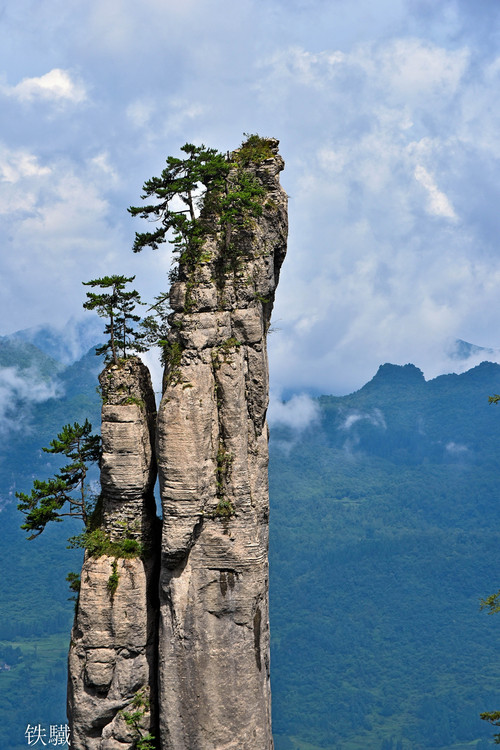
<point x="212" y="447"/>
<point x="179" y="636"/>
<point x="112" y="657"/>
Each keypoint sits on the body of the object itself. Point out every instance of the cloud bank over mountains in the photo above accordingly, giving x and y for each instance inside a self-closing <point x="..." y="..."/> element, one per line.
<point x="388" y="120"/>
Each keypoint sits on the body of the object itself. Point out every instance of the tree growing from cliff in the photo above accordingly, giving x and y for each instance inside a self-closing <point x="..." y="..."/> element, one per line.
<point x="67" y="493"/>
<point x="192" y="192"/>
<point x="118" y="307"/>
<point x="181" y="192"/>
<point x="154" y="327"/>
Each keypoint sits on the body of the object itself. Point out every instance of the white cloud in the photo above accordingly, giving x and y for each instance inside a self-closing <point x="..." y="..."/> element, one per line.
<point x="57" y="85"/>
<point x="414" y="68"/>
<point x="304" y="67"/>
<point x="101" y="162"/>
<point x="375" y="418"/>
<point x="18" y="389"/>
<point x="298" y="413"/>
<point x="57" y="221"/>
<point x="456" y="448"/>
<point x="17" y="164"/>
<point x="439" y="205"/>
<point x="140" y="112"/>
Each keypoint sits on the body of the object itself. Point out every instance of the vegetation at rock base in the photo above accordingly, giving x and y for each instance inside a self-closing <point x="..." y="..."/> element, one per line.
<point x="172" y="356"/>
<point x="224" y="461"/>
<point x="112" y="583"/>
<point x="224" y="509"/>
<point x="133" y="719"/>
<point x="97" y="543"/>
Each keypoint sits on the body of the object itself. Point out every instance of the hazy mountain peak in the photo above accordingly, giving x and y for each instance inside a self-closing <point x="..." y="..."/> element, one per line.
<point x="66" y="343"/>
<point x="399" y="374"/>
<point x="464" y="350"/>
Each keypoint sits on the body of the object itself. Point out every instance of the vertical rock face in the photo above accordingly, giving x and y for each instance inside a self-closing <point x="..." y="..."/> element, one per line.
<point x="175" y="642"/>
<point x="214" y="691"/>
<point x="112" y="658"/>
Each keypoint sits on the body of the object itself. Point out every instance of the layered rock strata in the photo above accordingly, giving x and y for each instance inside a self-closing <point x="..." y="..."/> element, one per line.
<point x="112" y="657"/>
<point x="212" y="446"/>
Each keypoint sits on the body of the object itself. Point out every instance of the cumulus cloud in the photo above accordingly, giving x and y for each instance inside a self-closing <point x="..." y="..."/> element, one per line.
<point x="390" y="134"/>
<point x="438" y="201"/>
<point x="57" y="85"/>
<point x="57" y="221"/>
<point x="16" y="164"/>
<point x="394" y="244"/>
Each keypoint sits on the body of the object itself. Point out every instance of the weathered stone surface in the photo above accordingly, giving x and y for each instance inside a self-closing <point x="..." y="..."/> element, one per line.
<point x="187" y="638"/>
<point x="128" y="468"/>
<point x="112" y="657"/>
<point x="112" y="654"/>
<point x="212" y="459"/>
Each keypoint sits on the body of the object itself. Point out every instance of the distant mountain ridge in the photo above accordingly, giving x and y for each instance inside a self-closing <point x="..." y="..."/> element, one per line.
<point x="65" y="344"/>
<point x="23" y="355"/>
<point x="384" y="536"/>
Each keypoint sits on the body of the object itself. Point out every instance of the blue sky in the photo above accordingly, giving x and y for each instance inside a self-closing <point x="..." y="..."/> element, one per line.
<point x="389" y="120"/>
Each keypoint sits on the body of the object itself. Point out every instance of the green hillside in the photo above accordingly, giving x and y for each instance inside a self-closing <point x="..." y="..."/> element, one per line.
<point x="384" y="536"/>
<point x="36" y="612"/>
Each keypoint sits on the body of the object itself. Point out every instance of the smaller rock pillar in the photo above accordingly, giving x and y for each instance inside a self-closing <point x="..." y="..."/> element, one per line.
<point x="112" y="657"/>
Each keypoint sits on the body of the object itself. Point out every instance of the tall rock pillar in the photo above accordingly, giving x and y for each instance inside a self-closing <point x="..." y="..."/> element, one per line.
<point x="212" y="444"/>
<point x="112" y="657"/>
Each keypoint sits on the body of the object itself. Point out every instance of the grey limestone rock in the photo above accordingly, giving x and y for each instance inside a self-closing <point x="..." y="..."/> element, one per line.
<point x="212" y="461"/>
<point x="183" y="633"/>
<point x="112" y="657"/>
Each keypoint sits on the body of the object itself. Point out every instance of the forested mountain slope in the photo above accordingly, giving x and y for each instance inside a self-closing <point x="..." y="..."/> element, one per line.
<point x="37" y="397"/>
<point x="384" y="536"/>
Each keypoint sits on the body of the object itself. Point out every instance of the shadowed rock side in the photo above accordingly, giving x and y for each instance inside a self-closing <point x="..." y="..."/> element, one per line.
<point x="212" y="460"/>
<point x="112" y="657"/>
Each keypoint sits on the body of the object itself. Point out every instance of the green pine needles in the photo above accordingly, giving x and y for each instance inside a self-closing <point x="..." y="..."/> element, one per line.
<point x="140" y="706"/>
<point x="67" y="493"/>
<point x="205" y="193"/>
<point x="188" y="181"/>
<point x="118" y="307"/>
<point x="214" y="193"/>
